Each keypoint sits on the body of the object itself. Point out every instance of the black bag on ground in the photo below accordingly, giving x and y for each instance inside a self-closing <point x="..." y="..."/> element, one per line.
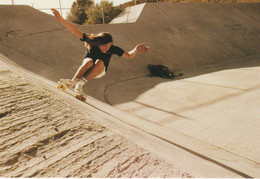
<point x="161" y="71"/>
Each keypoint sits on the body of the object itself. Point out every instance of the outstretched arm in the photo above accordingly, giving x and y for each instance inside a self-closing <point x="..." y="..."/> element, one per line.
<point x="139" y="48"/>
<point x="66" y="24"/>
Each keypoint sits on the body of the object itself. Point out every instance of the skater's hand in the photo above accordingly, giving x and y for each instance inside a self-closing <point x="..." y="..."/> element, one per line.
<point x="56" y="13"/>
<point x="139" y="48"/>
<point x="142" y="48"/>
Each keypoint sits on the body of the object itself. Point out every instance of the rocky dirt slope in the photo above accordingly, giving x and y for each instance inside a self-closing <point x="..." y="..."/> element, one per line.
<point x="43" y="136"/>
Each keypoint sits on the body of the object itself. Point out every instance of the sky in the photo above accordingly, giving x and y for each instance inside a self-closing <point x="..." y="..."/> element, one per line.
<point x="45" y="5"/>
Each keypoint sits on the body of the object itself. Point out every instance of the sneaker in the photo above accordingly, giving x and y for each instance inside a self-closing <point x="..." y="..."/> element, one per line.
<point x="68" y="82"/>
<point x="78" y="88"/>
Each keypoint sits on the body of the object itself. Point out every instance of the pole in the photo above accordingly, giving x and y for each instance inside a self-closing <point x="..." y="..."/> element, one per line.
<point x="103" y="14"/>
<point x="60" y="9"/>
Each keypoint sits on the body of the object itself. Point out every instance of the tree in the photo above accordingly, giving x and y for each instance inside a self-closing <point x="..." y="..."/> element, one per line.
<point x="78" y="11"/>
<point x="96" y="12"/>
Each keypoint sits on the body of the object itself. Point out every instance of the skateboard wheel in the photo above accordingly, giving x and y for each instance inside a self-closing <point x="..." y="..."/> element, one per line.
<point x="81" y="98"/>
<point x="59" y="86"/>
<point x="78" y="97"/>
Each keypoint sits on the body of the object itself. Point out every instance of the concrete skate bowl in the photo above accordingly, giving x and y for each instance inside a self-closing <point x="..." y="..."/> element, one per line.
<point x="192" y="38"/>
<point x="212" y="111"/>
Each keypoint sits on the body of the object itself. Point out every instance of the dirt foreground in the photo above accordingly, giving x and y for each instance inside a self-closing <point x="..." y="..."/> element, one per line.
<point x="44" y="136"/>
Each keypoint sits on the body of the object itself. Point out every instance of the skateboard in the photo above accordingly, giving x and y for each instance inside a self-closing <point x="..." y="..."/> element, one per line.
<point x="174" y="74"/>
<point x="171" y="75"/>
<point x="79" y="96"/>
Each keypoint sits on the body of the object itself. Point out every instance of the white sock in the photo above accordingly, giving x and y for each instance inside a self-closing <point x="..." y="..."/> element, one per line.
<point x="83" y="81"/>
<point x="75" y="79"/>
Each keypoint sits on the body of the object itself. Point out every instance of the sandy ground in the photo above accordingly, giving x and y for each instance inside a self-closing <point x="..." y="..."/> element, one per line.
<point x="43" y="136"/>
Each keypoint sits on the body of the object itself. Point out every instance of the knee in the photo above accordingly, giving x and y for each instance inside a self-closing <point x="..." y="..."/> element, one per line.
<point x="88" y="63"/>
<point x="100" y="66"/>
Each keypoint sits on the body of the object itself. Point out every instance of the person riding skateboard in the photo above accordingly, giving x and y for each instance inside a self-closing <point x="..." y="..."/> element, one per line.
<point x="100" y="49"/>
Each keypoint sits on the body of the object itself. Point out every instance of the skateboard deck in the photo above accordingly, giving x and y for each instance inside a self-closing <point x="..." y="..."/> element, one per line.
<point x="79" y="96"/>
<point x="174" y="74"/>
<point x="177" y="74"/>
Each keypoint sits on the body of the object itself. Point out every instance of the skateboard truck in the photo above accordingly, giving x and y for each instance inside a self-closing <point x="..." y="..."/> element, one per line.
<point x="69" y="91"/>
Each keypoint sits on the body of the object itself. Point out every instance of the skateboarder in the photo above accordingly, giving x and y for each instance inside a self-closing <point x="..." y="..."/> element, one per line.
<point x="100" y="48"/>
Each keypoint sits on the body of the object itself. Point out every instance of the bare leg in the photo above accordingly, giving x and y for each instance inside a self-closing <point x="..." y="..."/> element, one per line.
<point x="86" y="65"/>
<point x="97" y="69"/>
<point x="94" y="71"/>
